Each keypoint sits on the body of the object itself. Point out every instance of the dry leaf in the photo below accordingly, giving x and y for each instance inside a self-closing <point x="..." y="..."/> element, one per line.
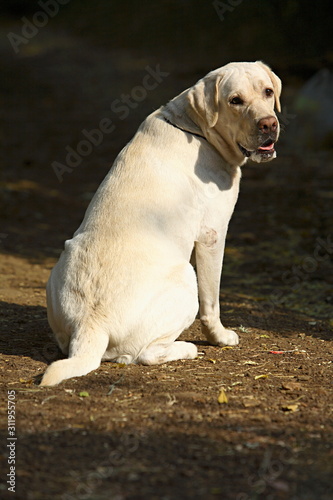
<point x="26" y="381"/>
<point x="291" y="386"/>
<point x="290" y="408"/>
<point x="250" y="402"/>
<point x="222" y="399"/>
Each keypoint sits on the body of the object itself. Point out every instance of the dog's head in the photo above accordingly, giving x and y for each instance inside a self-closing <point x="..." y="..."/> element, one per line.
<point x="234" y="108"/>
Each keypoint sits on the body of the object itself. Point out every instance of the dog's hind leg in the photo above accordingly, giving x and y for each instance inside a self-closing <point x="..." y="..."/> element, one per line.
<point x="85" y="354"/>
<point x="173" y="310"/>
<point x="157" y="354"/>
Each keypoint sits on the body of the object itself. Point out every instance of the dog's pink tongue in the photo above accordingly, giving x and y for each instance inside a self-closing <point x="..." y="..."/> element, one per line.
<point x="267" y="148"/>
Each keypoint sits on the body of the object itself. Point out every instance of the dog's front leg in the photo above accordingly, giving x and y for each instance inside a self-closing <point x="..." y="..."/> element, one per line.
<point x="209" y="266"/>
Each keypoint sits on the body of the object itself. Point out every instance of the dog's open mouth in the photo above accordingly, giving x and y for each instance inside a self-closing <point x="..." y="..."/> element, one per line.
<point x="266" y="149"/>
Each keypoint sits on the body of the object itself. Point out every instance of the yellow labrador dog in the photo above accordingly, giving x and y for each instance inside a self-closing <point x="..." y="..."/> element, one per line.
<point x="124" y="288"/>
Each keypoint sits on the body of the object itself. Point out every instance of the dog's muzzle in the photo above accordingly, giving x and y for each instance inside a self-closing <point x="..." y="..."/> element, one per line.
<point x="266" y="151"/>
<point x="268" y="128"/>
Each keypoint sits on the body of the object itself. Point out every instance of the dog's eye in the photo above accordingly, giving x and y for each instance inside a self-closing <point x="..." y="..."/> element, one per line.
<point x="269" y="92"/>
<point x="236" y="101"/>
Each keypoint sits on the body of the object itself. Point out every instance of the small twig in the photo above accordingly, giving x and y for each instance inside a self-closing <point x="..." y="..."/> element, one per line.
<point x="47" y="399"/>
<point x="294" y="400"/>
<point x="113" y="386"/>
<point x="171" y="400"/>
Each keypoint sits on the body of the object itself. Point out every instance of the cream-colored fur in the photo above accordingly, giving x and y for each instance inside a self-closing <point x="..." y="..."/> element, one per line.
<point x="124" y="288"/>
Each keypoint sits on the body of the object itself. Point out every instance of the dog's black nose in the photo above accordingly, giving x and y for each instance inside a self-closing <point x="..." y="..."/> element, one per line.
<point x="268" y="124"/>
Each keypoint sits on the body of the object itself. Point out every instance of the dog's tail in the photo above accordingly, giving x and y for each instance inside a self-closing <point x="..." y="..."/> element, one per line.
<point x="85" y="354"/>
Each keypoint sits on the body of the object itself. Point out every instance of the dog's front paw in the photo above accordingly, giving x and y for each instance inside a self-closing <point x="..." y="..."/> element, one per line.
<point x="229" y="337"/>
<point x="219" y="335"/>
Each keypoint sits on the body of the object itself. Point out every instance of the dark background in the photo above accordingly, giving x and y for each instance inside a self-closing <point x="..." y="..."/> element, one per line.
<point x="66" y="77"/>
<point x="87" y="55"/>
<point x="294" y="36"/>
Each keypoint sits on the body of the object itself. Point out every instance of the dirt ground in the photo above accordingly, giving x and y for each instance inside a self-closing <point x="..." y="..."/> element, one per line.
<point x="136" y="432"/>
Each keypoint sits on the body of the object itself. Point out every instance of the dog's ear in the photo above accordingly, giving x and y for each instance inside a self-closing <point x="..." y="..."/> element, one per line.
<point x="203" y="98"/>
<point x="277" y="85"/>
